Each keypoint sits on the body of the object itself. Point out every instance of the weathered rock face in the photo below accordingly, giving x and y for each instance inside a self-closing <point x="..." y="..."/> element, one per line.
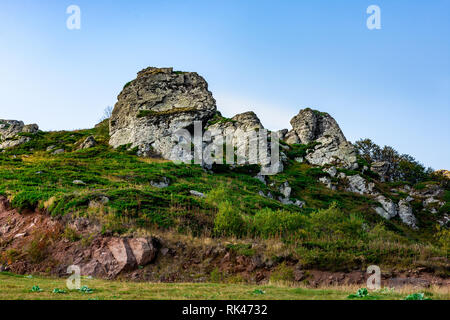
<point x="10" y="131"/>
<point x="359" y="185"/>
<point x="310" y="125"/>
<point x="405" y="213"/>
<point x="111" y="256"/>
<point x="155" y="105"/>
<point x="240" y="128"/>
<point x="89" y="142"/>
<point x="332" y="147"/>
<point x="330" y="151"/>
<point x="388" y="209"/>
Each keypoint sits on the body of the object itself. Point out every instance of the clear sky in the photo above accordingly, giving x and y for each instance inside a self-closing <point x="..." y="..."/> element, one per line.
<point x="272" y="57"/>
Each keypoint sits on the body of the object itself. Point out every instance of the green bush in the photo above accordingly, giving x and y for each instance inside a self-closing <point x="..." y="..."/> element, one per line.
<point x="268" y="223"/>
<point x="228" y="221"/>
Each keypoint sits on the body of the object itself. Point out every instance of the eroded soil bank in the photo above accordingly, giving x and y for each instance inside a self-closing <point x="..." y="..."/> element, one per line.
<point x="36" y="243"/>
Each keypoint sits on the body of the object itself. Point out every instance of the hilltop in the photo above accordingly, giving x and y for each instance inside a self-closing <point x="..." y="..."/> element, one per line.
<point x="112" y="200"/>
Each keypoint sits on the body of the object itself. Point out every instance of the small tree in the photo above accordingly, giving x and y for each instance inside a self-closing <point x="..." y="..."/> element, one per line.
<point x="106" y="113"/>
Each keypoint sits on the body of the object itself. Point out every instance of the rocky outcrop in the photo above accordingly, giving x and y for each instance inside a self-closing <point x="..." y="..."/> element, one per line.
<point x="88" y="143"/>
<point x="388" y="209"/>
<point x="156" y="105"/>
<point x="110" y="257"/>
<point x="405" y="213"/>
<point x="331" y="146"/>
<point x="311" y="125"/>
<point x="14" y="133"/>
<point x="243" y="130"/>
<point x="359" y="185"/>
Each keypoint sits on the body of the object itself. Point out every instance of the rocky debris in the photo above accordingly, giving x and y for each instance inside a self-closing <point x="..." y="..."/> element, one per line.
<point x="285" y="190"/>
<point x="342" y="175"/>
<point x="14" y="133"/>
<point x="430" y="190"/>
<point x="332" y="171"/>
<point x="406" y="214"/>
<point x="89" y="142"/>
<point x="310" y="125"/>
<point x="327" y="182"/>
<point x="388" y="209"/>
<point x="197" y="194"/>
<point x="444" y="221"/>
<point x="156" y="105"/>
<point x="359" y="185"/>
<point x="299" y="159"/>
<point x="269" y="195"/>
<point x="78" y="182"/>
<point x="261" y="178"/>
<point x="164" y="183"/>
<point x="110" y="257"/>
<point x="382" y="169"/>
<point x="330" y="151"/>
<point x="58" y="151"/>
<point x="50" y="148"/>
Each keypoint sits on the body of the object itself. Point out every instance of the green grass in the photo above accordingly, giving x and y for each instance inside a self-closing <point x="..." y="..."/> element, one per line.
<point x="15" y="287"/>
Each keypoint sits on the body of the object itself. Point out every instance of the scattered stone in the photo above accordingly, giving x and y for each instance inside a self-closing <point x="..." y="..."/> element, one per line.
<point x="89" y="142"/>
<point x="332" y="171"/>
<point x="59" y="151"/>
<point x="299" y="159"/>
<point x="359" y="185"/>
<point x="50" y="148"/>
<point x="388" y="209"/>
<point x="197" y="194"/>
<point x="78" y="182"/>
<point x="161" y="184"/>
<point x="285" y="190"/>
<point x="326" y="181"/>
<point x="261" y="178"/>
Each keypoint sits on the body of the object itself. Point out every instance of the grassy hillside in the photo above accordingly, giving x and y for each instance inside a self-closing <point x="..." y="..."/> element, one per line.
<point x="336" y="230"/>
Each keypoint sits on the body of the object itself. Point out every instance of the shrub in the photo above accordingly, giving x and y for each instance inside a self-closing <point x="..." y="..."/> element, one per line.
<point x="228" y="221"/>
<point x="268" y="223"/>
<point x="282" y="273"/>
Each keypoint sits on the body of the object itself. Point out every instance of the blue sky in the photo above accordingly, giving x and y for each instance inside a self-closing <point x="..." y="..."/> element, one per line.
<point x="272" y="57"/>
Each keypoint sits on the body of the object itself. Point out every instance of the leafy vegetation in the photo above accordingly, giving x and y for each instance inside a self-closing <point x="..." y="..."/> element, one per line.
<point x="401" y="167"/>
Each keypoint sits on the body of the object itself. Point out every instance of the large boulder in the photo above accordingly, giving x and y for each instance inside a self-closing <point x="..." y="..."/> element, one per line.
<point x="109" y="257"/>
<point x="156" y="105"/>
<point x="310" y="125"/>
<point x="14" y="133"/>
<point x="331" y="146"/>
